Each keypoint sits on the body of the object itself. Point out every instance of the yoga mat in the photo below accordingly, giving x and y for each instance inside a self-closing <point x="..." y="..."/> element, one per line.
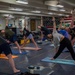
<point x="3" y="56"/>
<point x="59" y="61"/>
<point x="16" y="52"/>
<point x="52" y="45"/>
<point x="45" y="42"/>
<point x="27" y="48"/>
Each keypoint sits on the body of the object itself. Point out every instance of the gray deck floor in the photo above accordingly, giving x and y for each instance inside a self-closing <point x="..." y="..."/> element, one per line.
<point x="34" y="58"/>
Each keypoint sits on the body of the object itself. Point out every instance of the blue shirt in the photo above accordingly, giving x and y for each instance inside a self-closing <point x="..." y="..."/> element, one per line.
<point x="64" y="33"/>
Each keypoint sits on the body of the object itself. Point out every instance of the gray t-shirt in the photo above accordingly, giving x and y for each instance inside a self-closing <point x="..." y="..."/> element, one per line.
<point x="56" y="38"/>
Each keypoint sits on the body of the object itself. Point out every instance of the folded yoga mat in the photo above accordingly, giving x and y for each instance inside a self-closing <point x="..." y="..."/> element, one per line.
<point x="59" y="61"/>
<point x="27" y="48"/>
<point x="2" y="56"/>
<point x="16" y="52"/>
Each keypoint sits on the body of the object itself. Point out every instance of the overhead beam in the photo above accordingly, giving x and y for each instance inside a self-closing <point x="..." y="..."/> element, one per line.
<point x="34" y="4"/>
<point x="21" y="13"/>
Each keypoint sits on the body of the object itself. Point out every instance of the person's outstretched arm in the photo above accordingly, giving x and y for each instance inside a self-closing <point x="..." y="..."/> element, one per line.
<point x="41" y="21"/>
<point x="60" y="25"/>
<point x="72" y="22"/>
<point x="54" y="24"/>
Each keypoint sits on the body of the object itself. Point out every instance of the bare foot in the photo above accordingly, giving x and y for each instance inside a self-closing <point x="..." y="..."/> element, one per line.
<point x="38" y="48"/>
<point x="20" y="51"/>
<point x="51" y="58"/>
<point x="16" y="71"/>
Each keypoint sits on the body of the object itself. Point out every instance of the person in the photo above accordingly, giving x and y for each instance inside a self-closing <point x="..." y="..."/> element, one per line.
<point x="62" y="30"/>
<point x="71" y="30"/>
<point x="4" y="47"/>
<point x="11" y="37"/>
<point x="28" y="35"/>
<point x="64" y="42"/>
<point x="45" y="32"/>
<point x="72" y="33"/>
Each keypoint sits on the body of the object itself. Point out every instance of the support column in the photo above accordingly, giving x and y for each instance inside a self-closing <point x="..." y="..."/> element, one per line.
<point x="41" y="21"/>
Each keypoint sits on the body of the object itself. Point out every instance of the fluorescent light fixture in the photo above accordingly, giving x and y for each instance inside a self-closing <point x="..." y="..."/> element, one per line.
<point x="67" y="15"/>
<point x="60" y="6"/>
<point x="50" y="13"/>
<point x="53" y="5"/>
<point x="22" y="2"/>
<point x="53" y="8"/>
<point x="16" y="9"/>
<point x="11" y="16"/>
<point x="60" y="14"/>
<point x="50" y="2"/>
<point x="36" y="11"/>
<point x="62" y="10"/>
<point x="8" y="15"/>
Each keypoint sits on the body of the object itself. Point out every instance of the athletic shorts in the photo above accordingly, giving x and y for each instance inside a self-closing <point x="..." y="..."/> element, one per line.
<point x="30" y="36"/>
<point x="5" y="48"/>
<point x="13" y="38"/>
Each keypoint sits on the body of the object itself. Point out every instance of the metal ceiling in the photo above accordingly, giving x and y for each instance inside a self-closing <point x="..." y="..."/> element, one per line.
<point x="35" y="5"/>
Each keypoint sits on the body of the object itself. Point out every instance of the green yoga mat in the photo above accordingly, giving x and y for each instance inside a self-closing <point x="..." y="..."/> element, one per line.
<point x="59" y="61"/>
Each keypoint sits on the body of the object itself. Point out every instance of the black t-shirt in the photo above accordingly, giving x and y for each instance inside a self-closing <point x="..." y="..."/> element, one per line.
<point x="8" y="33"/>
<point x="26" y="32"/>
<point x="2" y="40"/>
<point x="72" y="31"/>
<point x="45" y="31"/>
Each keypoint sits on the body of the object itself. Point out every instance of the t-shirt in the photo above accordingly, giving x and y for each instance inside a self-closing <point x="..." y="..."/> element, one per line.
<point x="64" y="33"/>
<point x="56" y="38"/>
<point x="45" y="31"/>
<point x="8" y="33"/>
<point x="2" y="35"/>
<point x="26" y="32"/>
<point x="72" y="31"/>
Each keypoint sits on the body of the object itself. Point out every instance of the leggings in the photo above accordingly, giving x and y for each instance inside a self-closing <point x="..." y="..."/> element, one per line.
<point x="65" y="43"/>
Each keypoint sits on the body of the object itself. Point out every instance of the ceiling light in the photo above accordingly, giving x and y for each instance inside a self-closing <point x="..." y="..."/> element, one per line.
<point x="53" y="8"/>
<point x="60" y="14"/>
<point x="51" y="2"/>
<point x="8" y="15"/>
<point x="50" y="13"/>
<point x="16" y="9"/>
<point x="54" y="3"/>
<point x="36" y="11"/>
<point x="11" y="16"/>
<point x="60" y="6"/>
<point x="20" y="1"/>
<point x="67" y="15"/>
<point x="62" y="10"/>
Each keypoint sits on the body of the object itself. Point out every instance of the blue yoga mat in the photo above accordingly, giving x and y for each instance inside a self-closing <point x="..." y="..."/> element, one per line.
<point x="60" y="61"/>
<point x="16" y="52"/>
